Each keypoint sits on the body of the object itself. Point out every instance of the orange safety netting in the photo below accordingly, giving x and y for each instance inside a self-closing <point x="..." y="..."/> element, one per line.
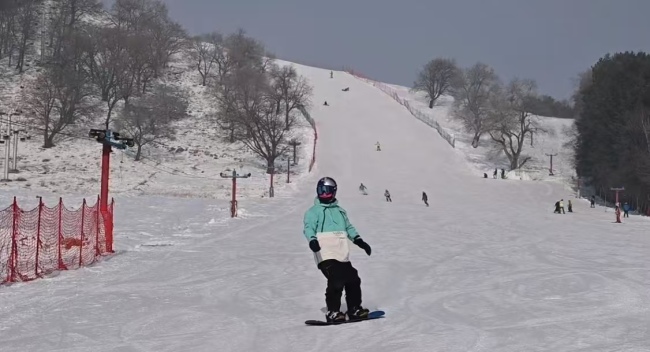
<point x="39" y="241"/>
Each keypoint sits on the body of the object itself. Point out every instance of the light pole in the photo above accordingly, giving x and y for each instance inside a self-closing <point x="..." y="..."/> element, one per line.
<point x="15" y="158"/>
<point x="550" y="170"/>
<point x="617" y="189"/>
<point x="288" y="169"/>
<point x="233" y="202"/>
<point x="6" y="139"/>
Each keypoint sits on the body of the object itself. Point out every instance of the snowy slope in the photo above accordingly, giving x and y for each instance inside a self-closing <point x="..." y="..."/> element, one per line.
<point x="487" y="267"/>
<point x="486" y="158"/>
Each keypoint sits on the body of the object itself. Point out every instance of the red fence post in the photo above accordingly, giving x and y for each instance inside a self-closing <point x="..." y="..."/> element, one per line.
<point x="38" y="234"/>
<point x="97" y="227"/>
<point x="60" y="236"/>
<point x="81" y="242"/>
<point x="14" y="246"/>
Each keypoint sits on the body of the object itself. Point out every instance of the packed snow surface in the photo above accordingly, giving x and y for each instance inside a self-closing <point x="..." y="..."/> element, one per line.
<point x="487" y="267"/>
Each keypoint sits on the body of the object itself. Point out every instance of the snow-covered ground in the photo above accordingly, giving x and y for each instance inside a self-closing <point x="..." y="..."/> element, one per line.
<point x="487" y="267"/>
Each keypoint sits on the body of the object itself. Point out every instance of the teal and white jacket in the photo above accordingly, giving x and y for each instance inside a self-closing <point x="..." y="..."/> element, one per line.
<point x="329" y="224"/>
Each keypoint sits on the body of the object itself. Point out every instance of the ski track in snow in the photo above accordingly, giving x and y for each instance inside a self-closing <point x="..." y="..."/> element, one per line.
<point x="487" y="267"/>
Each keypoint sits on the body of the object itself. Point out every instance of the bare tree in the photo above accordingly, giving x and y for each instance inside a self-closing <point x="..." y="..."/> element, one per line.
<point x="150" y="117"/>
<point x="25" y="21"/>
<point x="512" y="121"/>
<point x="60" y="97"/>
<point x="472" y="89"/>
<point x="290" y="90"/>
<point x="252" y="109"/>
<point x="8" y="36"/>
<point x="435" y="78"/>
<point x="76" y="9"/>
<point x="205" y="51"/>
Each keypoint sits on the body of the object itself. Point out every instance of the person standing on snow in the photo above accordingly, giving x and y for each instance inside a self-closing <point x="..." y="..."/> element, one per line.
<point x="593" y="201"/>
<point x="562" y="205"/>
<point x="570" y="206"/>
<point x="378" y="147"/>
<point x="626" y="210"/>
<point x="387" y="195"/>
<point x="425" y="199"/>
<point x="328" y="229"/>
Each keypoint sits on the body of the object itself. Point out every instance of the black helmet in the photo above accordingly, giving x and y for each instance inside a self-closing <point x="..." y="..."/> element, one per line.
<point x="326" y="189"/>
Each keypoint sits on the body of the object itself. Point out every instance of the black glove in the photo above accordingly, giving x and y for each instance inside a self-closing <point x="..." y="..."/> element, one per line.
<point x="314" y="246"/>
<point x="363" y="245"/>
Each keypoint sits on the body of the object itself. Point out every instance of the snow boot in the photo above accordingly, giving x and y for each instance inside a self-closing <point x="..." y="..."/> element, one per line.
<point x="357" y="313"/>
<point x="333" y="316"/>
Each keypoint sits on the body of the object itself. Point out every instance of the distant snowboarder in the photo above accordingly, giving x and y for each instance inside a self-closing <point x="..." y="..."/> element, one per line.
<point x="570" y="206"/>
<point x="331" y="74"/>
<point x="593" y="201"/>
<point x="503" y="174"/>
<point x="363" y="189"/>
<point x="387" y="195"/>
<point x="626" y="210"/>
<point x="328" y="233"/>
<point x="494" y="175"/>
<point x="325" y="103"/>
<point x="346" y="89"/>
<point x="425" y="199"/>
<point x="378" y="146"/>
<point x="562" y="205"/>
<point x="617" y="211"/>
<point x="557" y="208"/>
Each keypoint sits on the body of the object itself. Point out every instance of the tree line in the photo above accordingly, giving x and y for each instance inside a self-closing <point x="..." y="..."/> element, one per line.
<point x="486" y="106"/>
<point x="612" y="134"/>
<point x="113" y="61"/>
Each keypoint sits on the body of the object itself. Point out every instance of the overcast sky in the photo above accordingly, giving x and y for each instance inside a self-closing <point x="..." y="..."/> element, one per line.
<point x="550" y="41"/>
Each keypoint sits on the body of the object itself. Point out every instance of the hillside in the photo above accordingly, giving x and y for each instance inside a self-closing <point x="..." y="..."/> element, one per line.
<point x="193" y="154"/>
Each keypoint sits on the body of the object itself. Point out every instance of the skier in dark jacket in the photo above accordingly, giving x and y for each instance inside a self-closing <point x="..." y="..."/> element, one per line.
<point x="387" y="195"/>
<point x="626" y="210"/>
<point x="425" y="199"/>
<point x="593" y="201"/>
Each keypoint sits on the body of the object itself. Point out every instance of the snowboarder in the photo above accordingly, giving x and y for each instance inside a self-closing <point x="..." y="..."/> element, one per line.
<point x="325" y="103"/>
<point x="562" y="205"/>
<point x="626" y="210"/>
<point x="378" y="146"/>
<point x="328" y="229"/>
<point x="485" y="175"/>
<point x="425" y="199"/>
<point x="593" y="201"/>
<point x="570" y="206"/>
<point x="362" y="189"/>
<point x="617" y="211"/>
<point x="346" y="89"/>
<point x="387" y="195"/>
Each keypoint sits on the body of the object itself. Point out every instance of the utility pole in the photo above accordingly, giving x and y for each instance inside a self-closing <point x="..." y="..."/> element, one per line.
<point x="288" y="169"/>
<point x="294" y="143"/>
<point x="15" y="158"/>
<point x="108" y="139"/>
<point x="233" y="202"/>
<point x="6" y="139"/>
<point x="550" y="170"/>
<point x="617" y="189"/>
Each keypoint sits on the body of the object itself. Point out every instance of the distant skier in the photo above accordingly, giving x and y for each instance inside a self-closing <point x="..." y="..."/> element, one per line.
<point x="503" y="174"/>
<point x="331" y="74"/>
<point x="387" y="195"/>
<point x="617" y="211"/>
<point x="325" y="103"/>
<point x="425" y="199"/>
<point x="328" y="229"/>
<point x="378" y="146"/>
<point x="494" y="175"/>
<point x="363" y="189"/>
<point x="626" y="210"/>
<point x="570" y="206"/>
<point x="562" y="205"/>
<point x="593" y="201"/>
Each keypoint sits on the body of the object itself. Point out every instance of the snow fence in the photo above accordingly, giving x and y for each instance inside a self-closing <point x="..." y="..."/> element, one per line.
<point x="36" y="242"/>
<point x="311" y="121"/>
<point x="405" y="102"/>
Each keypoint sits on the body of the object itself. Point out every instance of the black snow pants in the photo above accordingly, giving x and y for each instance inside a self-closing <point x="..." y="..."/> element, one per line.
<point x="341" y="275"/>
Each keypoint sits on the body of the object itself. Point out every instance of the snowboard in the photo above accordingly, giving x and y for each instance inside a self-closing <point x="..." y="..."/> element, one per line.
<point x="372" y="315"/>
